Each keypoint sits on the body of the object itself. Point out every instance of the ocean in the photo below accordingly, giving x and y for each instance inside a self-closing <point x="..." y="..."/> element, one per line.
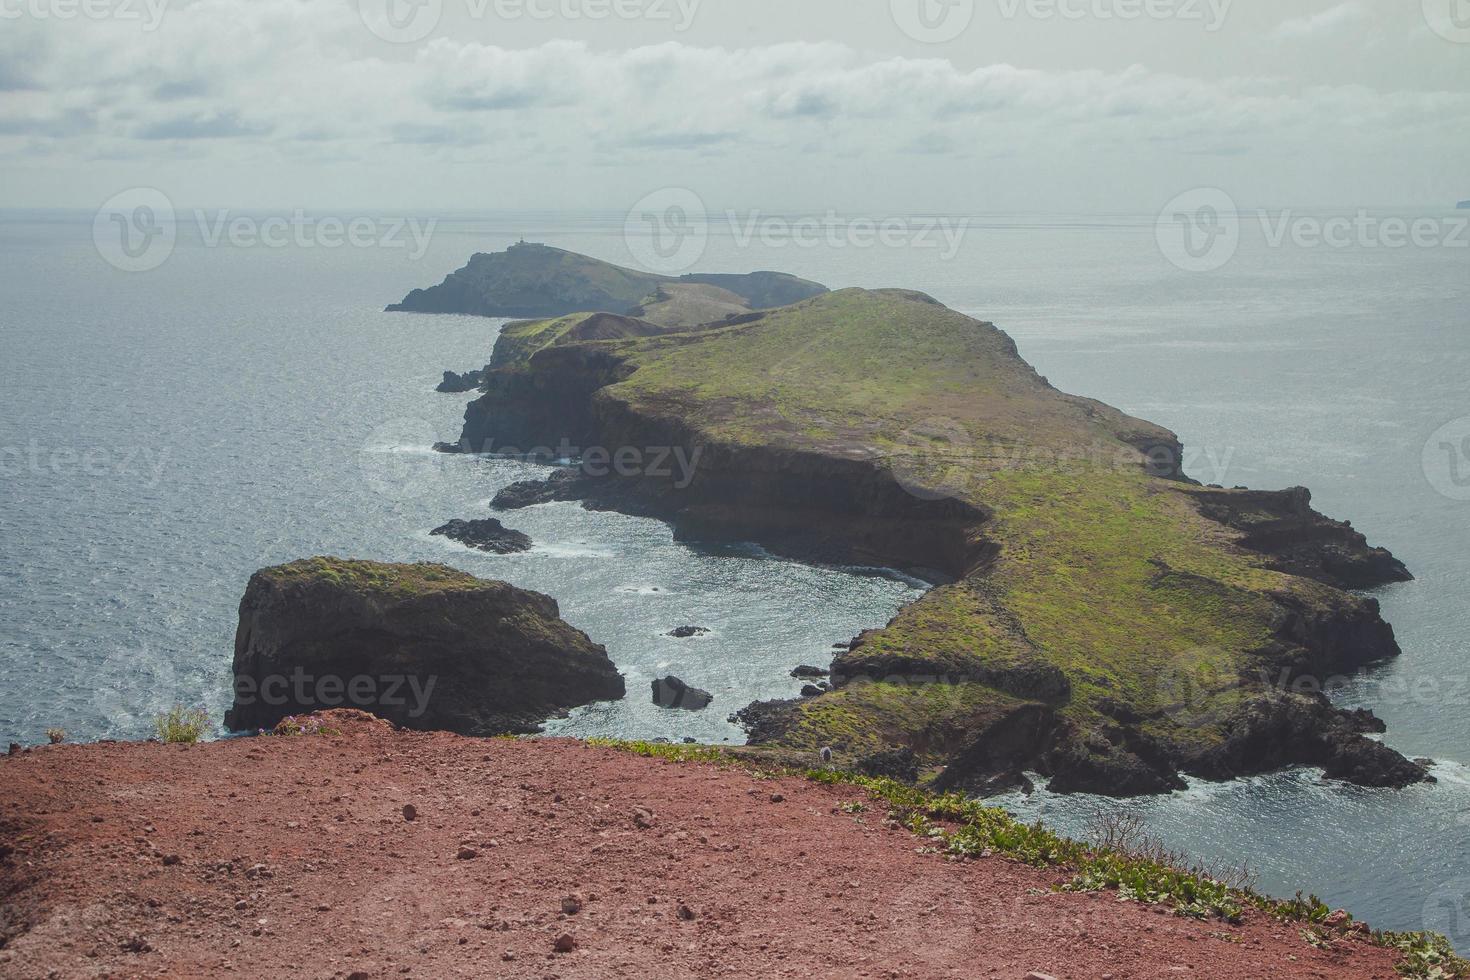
<point x="164" y="433"/>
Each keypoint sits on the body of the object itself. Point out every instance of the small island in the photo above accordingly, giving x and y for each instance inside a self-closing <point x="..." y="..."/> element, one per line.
<point x="534" y="280"/>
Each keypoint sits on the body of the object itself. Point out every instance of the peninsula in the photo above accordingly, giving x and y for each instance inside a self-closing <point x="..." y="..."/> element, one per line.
<point x="1099" y="618"/>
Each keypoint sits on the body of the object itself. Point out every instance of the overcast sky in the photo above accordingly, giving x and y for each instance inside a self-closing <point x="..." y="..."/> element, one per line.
<point x="857" y="105"/>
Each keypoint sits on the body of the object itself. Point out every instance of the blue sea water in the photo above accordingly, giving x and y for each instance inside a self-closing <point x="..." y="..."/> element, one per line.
<point x="165" y="433"/>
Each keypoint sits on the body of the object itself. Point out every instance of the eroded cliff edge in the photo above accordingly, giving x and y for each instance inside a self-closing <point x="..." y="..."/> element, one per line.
<point x="1102" y="619"/>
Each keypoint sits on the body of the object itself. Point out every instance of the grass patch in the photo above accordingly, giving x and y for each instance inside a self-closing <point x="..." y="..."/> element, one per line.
<point x="522" y="338"/>
<point x="396" y="580"/>
<point x="183" y="726"/>
<point x="861" y="718"/>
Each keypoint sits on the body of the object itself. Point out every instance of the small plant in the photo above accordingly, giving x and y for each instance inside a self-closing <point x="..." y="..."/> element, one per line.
<point x="181" y="725"/>
<point x="55" y="735"/>
<point x="1114" y="830"/>
<point x="303" y="725"/>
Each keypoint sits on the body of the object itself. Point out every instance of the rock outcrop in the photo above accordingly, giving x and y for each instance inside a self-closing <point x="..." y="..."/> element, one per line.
<point x="485" y="534"/>
<point x="454" y="382"/>
<point x="1282" y="525"/>
<point x="424" y="646"/>
<point x="671" y="692"/>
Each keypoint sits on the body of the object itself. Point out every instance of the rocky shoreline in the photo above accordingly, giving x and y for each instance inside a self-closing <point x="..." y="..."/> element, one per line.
<point x="1283" y="566"/>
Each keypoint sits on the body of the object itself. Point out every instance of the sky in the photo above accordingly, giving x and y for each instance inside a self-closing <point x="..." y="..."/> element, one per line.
<point x="898" y="106"/>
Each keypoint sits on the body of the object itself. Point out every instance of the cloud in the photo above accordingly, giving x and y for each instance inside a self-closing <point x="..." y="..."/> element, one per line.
<point x="300" y="82"/>
<point x="201" y="126"/>
<point x="1327" y="21"/>
<point x="678" y="140"/>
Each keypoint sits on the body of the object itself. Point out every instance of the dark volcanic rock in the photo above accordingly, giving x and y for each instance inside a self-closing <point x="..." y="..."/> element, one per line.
<point x="810" y="690"/>
<point x="562" y="484"/>
<point x="454" y="383"/>
<point x="1114" y="762"/>
<point x="997" y="748"/>
<point x="670" y="692"/>
<point x="486" y="534"/>
<point x="1364" y="720"/>
<point x="900" y="764"/>
<point x="1276" y="728"/>
<point x="806" y="670"/>
<point x="424" y="646"/>
<point x="684" y="632"/>
<point x="1282" y="524"/>
<point x="765" y="721"/>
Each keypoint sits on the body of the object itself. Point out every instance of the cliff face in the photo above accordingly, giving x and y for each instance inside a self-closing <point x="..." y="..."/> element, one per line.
<point x="1282" y="525"/>
<point x="424" y="646"/>
<point x="533" y="280"/>
<point x="1101" y="619"/>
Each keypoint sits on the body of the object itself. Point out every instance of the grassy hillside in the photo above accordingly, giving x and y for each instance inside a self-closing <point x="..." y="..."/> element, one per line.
<point x="530" y="279"/>
<point x="1098" y="589"/>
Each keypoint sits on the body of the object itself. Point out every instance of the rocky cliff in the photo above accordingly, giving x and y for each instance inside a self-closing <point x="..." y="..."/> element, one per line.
<point x="1100" y="618"/>
<point x="425" y="646"/>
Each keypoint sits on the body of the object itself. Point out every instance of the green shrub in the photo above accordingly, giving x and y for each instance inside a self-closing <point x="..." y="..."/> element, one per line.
<point x="182" y="725"/>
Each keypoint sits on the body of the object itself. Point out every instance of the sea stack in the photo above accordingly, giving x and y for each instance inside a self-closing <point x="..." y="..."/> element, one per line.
<point x="425" y="646"/>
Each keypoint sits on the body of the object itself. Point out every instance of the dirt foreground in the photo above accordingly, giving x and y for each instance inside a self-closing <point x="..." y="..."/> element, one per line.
<point x="296" y="856"/>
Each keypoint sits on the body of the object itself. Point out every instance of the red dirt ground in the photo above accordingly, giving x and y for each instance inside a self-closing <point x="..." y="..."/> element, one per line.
<point x="276" y="857"/>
